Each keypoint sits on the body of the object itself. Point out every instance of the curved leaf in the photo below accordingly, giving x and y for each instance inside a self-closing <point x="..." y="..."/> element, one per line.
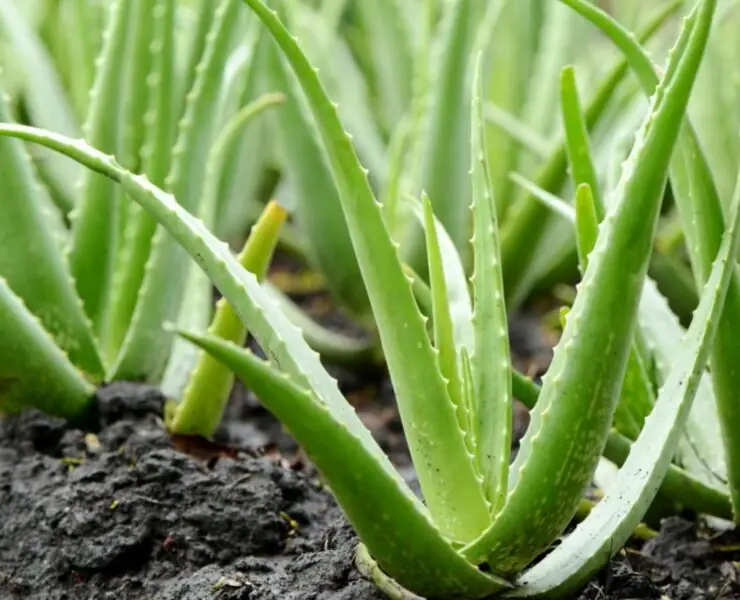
<point x="34" y="372"/>
<point x="387" y="520"/>
<point x="626" y="501"/>
<point x="445" y="469"/>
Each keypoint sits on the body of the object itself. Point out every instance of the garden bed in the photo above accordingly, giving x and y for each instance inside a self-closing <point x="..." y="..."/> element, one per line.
<point x="120" y="510"/>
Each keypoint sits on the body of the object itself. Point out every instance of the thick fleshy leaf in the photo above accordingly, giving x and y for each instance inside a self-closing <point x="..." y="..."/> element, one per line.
<point x="391" y="57"/>
<point x="526" y="219"/>
<point x="311" y="179"/>
<point x="446" y="471"/>
<point x="155" y="157"/>
<point x="32" y="263"/>
<point x="445" y="160"/>
<point x="94" y="219"/>
<point x="204" y="399"/>
<point x="490" y="360"/>
<point x="196" y="308"/>
<point x="701" y="447"/>
<point x="570" y="424"/>
<point x="693" y="493"/>
<point x="34" y="372"/>
<point x="702" y="217"/>
<point x="145" y="347"/>
<point x="45" y="98"/>
<point x="444" y="335"/>
<point x="626" y="501"/>
<point x="637" y="396"/>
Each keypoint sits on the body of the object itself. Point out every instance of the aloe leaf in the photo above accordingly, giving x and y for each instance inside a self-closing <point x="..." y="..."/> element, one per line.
<point x="155" y="158"/>
<point x="611" y="522"/>
<point x="490" y="360"/>
<point x="285" y="346"/>
<point x="79" y="21"/>
<point x="508" y="73"/>
<point x="196" y="307"/>
<point x="445" y="160"/>
<point x="346" y="84"/>
<point x="577" y="144"/>
<point x="271" y="328"/>
<point x="195" y="50"/>
<point x="94" y="224"/>
<point x="587" y="223"/>
<point x="700" y="450"/>
<point x="305" y="166"/>
<point x="384" y="515"/>
<point x="31" y="261"/>
<point x="444" y="336"/>
<point x="582" y="386"/>
<point x="446" y="471"/>
<point x="45" y="98"/>
<point x="458" y="300"/>
<point x="249" y="174"/>
<point x="560" y="37"/>
<point x="694" y="493"/>
<point x="676" y="282"/>
<point x="391" y="58"/>
<point x="526" y="220"/>
<point x="204" y="399"/>
<point x="702" y="217"/>
<point x="421" y="98"/>
<point x="637" y="397"/>
<point x="391" y="195"/>
<point x="141" y="35"/>
<point x="34" y="371"/>
<point x="145" y="347"/>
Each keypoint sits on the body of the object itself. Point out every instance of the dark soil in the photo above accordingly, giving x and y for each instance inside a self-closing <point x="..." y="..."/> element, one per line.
<point x="122" y="511"/>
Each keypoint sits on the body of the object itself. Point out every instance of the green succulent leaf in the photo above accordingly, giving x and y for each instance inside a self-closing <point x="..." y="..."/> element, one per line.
<point x="311" y="178"/>
<point x="196" y="308"/>
<point x="662" y="333"/>
<point x="94" y="218"/>
<point x="526" y="220"/>
<point x="391" y="57"/>
<point x="445" y="160"/>
<point x="33" y="265"/>
<point x="145" y="347"/>
<point x="609" y="525"/>
<point x="334" y="347"/>
<point x="205" y="397"/>
<point x="444" y="335"/>
<point x="703" y="221"/>
<point x="155" y="159"/>
<point x="490" y="360"/>
<point x="34" y="371"/>
<point x="46" y="100"/>
<point x="637" y="396"/>
<point x="582" y="386"/>
<point x="678" y="483"/>
<point x="446" y="471"/>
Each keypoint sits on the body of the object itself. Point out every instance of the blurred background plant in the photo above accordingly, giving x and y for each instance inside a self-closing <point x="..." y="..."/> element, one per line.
<point x="396" y="70"/>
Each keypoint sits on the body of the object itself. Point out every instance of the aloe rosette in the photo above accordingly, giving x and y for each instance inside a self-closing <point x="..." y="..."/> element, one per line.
<point x="453" y="392"/>
<point x="92" y="307"/>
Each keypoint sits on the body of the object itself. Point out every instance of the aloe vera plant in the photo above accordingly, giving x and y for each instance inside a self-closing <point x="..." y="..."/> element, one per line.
<point x="453" y="392"/>
<point x="92" y="310"/>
